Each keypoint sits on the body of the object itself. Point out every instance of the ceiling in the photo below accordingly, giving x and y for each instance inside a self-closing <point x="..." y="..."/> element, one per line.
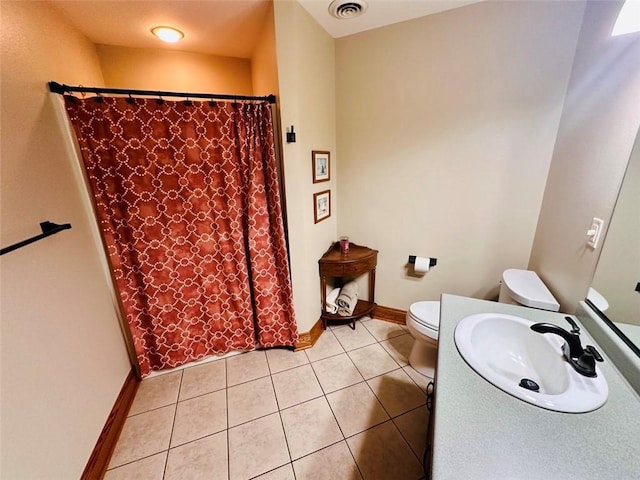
<point x="228" y="28"/>
<point x="378" y="14"/>
<point x="222" y="27"/>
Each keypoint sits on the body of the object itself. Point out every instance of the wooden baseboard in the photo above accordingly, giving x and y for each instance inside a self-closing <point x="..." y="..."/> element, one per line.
<point x="99" y="460"/>
<point x="309" y="339"/>
<point x="389" y="314"/>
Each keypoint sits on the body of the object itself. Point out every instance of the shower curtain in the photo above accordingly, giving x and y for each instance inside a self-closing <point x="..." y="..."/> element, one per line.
<point x="188" y="201"/>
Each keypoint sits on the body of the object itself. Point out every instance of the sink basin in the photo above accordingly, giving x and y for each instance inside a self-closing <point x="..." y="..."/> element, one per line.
<point x="507" y="353"/>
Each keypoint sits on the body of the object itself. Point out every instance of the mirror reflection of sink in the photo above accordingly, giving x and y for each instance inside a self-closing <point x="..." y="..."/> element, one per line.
<point x="528" y="365"/>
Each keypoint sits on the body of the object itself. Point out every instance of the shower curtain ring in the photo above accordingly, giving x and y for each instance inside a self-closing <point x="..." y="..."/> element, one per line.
<point x="130" y="100"/>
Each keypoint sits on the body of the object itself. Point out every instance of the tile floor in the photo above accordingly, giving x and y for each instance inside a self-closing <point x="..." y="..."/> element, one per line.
<point x="349" y="408"/>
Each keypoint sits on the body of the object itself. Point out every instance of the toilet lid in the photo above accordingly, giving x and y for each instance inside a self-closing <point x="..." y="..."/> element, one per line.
<point x="528" y="290"/>
<point x="426" y="314"/>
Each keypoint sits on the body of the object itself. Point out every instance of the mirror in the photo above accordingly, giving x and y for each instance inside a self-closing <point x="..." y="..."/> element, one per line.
<point x="615" y="292"/>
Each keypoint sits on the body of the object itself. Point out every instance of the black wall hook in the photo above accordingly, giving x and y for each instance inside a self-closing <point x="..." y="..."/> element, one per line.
<point x="291" y="136"/>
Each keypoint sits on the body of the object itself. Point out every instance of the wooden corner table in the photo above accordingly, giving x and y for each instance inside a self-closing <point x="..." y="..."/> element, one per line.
<point x="358" y="261"/>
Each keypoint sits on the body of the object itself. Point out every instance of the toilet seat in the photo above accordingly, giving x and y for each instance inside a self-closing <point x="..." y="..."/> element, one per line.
<point x="423" y="322"/>
<point x="426" y="317"/>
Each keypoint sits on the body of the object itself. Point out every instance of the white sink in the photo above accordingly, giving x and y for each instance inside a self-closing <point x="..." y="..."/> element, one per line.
<point x="504" y="350"/>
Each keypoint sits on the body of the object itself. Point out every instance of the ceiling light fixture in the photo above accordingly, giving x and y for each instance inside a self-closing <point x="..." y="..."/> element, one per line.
<point x="167" y="34"/>
<point x="628" y="19"/>
<point x="345" y="9"/>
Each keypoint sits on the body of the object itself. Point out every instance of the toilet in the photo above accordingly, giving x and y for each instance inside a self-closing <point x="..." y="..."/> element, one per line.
<point x="519" y="287"/>
<point x="524" y="287"/>
<point x="597" y="299"/>
<point x="423" y="321"/>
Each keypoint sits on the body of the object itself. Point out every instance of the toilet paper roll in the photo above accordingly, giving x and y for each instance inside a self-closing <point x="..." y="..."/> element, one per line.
<point x="421" y="265"/>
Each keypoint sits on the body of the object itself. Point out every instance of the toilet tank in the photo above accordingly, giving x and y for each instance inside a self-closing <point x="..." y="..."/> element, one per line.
<point x="524" y="287"/>
<point x="597" y="299"/>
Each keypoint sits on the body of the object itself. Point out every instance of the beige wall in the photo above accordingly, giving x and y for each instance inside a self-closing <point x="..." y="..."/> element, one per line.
<point x="597" y="130"/>
<point x="306" y="68"/>
<point x="618" y="269"/>
<point x="445" y="129"/>
<point x="63" y="357"/>
<point x="264" y="63"/>
<point x="173" y="70"/>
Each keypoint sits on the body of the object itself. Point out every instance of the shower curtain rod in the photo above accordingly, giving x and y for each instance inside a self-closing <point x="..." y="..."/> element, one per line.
<point x="61" y="89"/>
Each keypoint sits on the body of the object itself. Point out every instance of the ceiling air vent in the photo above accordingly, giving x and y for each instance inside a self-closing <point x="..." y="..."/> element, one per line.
<point x="344" y="9"/>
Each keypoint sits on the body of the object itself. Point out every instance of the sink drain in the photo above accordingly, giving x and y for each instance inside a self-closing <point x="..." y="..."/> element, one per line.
<point x="529" y="384"/>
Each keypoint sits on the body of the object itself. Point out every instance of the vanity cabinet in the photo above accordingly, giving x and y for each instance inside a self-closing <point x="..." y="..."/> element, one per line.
<point x="480" y="432"/>
<point x="431" y="404"/>
<point x="358" y="261"/>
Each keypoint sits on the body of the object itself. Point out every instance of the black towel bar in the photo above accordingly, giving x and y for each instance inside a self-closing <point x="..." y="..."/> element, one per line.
<point x="48" y="229"/>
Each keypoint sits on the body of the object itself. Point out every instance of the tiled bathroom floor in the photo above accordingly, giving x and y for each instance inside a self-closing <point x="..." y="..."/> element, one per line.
<point x="349" y="408"/>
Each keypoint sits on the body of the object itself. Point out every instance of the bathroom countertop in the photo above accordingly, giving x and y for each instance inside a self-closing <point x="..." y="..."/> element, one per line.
<point x="483" y="433"/>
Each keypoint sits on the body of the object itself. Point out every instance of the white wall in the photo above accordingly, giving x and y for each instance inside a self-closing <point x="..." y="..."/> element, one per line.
<point x="445" y="128"/>
<point x="306" y="69"/>
<point x="618" y="269"/>
<point x="598" y="127"/>
<point x="63" y="356"/>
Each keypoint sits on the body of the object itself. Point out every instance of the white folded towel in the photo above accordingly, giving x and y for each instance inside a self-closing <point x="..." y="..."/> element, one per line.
<point x="331" y="306"/>
<point x="347" y="299"/>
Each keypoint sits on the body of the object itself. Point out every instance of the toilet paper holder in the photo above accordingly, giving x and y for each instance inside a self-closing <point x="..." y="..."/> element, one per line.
<point x="432" y="261"/>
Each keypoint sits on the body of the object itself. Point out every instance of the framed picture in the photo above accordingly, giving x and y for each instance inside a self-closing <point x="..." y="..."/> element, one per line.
<point x="321" y="206"/>
<point x="321" y="166"/>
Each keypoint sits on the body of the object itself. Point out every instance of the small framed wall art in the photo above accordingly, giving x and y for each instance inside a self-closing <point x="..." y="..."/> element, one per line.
<point x="321" y="162"/>
<point x="321" y="206"/>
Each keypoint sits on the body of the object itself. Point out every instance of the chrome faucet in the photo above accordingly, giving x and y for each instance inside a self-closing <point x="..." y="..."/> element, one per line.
<point x="582" y="361"/>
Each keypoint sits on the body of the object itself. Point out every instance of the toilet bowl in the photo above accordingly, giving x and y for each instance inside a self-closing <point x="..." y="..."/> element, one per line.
<point x="423" y="321"/>
<point x="524" y="287"/>
<point x="519" y="287"/>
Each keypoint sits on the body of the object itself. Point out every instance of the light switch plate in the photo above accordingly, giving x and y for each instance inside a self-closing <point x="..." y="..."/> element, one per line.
<point x="594" y="232"/>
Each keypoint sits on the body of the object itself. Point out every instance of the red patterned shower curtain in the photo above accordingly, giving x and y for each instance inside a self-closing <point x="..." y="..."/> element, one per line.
<point x="188" y="201"/>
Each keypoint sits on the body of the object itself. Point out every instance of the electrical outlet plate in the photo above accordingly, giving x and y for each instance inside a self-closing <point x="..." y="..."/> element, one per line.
<point x="594" y="232"/>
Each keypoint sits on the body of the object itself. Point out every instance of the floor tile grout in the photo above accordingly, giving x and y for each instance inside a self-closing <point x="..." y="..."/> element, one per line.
<point x="173" y="424"/>
<point x="271" y="364"/>
<point x="284" y="432"/>
<point x="226" y="400"/>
